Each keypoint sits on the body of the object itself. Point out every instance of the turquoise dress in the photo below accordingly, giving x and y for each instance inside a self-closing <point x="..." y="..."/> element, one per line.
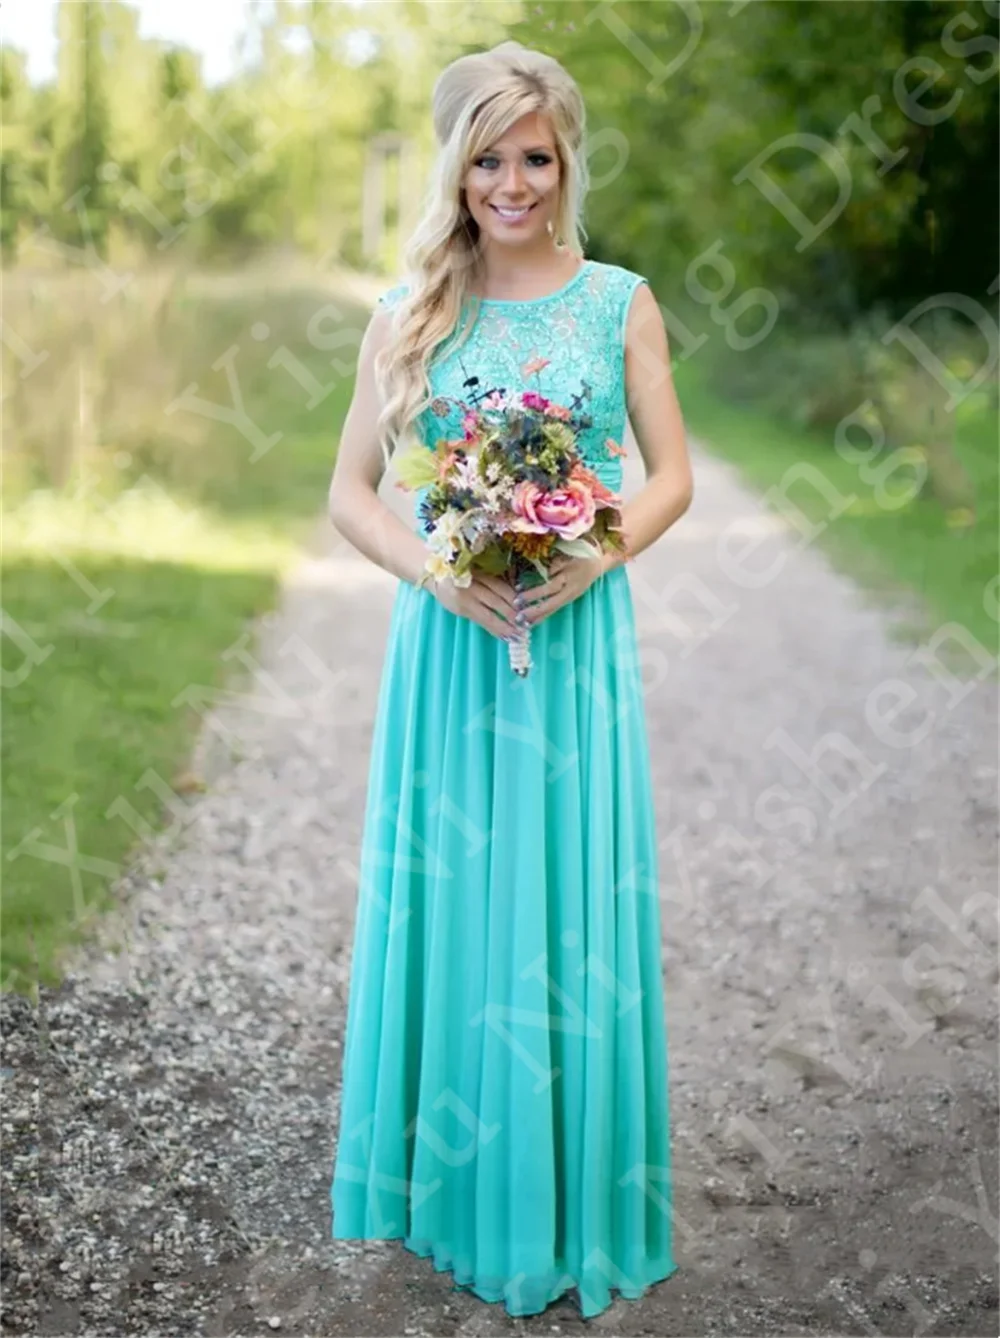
<point x="504" y="1099"/>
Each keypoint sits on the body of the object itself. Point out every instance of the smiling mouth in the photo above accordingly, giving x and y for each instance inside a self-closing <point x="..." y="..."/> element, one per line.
<point x="512" y="213"/>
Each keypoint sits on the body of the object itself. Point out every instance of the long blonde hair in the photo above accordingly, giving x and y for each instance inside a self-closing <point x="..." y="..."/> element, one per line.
<point x="475" y="100"/>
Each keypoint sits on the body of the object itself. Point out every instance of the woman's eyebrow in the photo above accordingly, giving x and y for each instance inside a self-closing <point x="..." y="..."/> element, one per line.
<point x="535" y="148"/>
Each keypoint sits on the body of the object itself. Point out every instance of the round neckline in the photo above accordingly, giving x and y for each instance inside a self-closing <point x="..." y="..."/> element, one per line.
<point x="534" y="301"/>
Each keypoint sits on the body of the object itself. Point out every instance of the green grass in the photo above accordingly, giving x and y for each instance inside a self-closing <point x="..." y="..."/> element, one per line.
<point x="121" y="617"/>
<point x="916" y="549"/>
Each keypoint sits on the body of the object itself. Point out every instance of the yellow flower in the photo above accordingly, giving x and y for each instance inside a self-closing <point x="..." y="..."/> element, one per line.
<point x="438" y="566"/>
<point x="441" y="569"/>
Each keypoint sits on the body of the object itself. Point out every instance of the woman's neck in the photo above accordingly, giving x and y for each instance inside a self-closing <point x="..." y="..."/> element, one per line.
<point x="515" y="274"/>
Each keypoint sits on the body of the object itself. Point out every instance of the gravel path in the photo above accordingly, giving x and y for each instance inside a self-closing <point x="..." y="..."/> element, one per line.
<point x="830" y="957"/>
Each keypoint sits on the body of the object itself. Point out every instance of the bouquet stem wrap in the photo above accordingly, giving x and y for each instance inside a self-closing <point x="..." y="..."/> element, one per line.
<point x="519" y="642"/>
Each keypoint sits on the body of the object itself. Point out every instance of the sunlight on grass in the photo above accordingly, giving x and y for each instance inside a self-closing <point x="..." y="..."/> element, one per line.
<point x="147" y="524"/>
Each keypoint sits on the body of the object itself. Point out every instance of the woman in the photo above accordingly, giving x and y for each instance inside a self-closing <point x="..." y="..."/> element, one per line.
<point x="504" y="1105"/>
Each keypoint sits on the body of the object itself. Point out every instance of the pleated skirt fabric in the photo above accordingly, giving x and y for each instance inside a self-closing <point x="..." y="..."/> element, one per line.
<point x="504" y="1103"/>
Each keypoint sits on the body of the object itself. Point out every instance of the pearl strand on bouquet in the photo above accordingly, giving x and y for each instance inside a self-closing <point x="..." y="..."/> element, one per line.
<point x="519" y="642"/>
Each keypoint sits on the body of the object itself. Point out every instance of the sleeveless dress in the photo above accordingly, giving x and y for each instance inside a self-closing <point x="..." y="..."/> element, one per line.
<point x="504" y="1085"/>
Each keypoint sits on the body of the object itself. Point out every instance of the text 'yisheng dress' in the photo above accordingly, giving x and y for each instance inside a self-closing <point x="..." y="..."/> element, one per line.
<point x="504" y="1103"/>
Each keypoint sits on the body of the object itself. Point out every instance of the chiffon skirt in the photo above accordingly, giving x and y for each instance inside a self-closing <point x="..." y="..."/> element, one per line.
<point x="504" y="1100"/>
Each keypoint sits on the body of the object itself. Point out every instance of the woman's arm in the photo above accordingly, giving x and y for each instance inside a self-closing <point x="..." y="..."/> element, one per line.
<point x="354" y="505"/>
<point x="659" y="430"/>
<point x="372" y="527"/>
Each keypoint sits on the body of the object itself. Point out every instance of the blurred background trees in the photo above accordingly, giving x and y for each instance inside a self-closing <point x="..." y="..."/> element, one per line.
<point x="795" y="178"/>
<point x="682" y="99"/>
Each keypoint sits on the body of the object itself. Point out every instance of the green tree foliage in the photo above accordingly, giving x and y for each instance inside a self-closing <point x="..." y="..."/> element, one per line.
<point x="25" y="155"/>
<point x="78" y="181"/>
<point x="722" y="130"/>
<point x="736" y="126"/>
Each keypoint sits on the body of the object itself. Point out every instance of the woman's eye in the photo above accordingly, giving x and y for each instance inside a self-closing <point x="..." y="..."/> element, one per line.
<point x="490" y="160"/>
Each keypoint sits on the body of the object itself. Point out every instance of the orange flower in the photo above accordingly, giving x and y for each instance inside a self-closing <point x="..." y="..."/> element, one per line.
<point x="583" y="475"/>
<point x="613" y="448"/>
<point x="535" y="365"/>
<point x="531" y="545"/>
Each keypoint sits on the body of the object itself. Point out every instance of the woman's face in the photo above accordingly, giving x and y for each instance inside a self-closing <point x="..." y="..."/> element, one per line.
<point x="512" y="188"/>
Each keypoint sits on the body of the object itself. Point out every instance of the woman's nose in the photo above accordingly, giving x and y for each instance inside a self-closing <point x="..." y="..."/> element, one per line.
<point x="513" y="182"/>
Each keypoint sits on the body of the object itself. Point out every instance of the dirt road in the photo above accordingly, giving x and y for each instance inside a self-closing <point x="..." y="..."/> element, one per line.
<point x="827" y="801"/>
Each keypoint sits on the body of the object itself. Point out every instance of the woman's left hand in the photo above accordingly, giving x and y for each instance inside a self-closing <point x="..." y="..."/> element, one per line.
<point x="568" y="578"/>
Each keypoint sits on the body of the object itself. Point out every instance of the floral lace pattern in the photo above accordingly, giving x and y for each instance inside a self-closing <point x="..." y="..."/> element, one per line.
<point x="566" y="345"/>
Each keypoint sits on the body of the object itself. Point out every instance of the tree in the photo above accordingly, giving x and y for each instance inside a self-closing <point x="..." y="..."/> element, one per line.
<point x="81" y="206"/>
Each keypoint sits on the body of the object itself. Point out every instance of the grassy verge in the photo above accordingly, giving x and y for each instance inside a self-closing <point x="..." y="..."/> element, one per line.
<point x="914" y="549"/>
<point x="125" y="585"/>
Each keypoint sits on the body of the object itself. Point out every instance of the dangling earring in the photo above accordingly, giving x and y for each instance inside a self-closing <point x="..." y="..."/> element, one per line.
<point x="549" y="228"/>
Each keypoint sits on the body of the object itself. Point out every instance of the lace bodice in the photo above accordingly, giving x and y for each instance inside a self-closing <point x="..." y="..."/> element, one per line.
<point x="567" y="344"/>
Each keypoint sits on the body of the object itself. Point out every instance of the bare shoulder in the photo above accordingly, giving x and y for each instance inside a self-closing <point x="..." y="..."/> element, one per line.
<point x="646" y="344"/>
<point x="382" y="317"/>
<point x="379" y="324"/>
<point x="375" y="335"/>
<point x="643" y="308"/>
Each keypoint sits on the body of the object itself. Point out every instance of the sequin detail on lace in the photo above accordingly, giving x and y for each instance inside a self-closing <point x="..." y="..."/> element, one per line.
<point x="568" y="344"/>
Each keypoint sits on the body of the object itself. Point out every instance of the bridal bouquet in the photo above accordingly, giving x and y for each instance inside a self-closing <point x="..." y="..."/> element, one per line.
<point x="509" y="493"/>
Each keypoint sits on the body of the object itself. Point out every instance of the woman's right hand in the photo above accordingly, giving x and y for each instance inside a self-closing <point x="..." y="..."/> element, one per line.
<point x="483" y="602"/>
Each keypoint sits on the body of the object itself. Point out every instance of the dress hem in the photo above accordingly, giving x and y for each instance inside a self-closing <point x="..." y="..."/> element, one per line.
<point x="444" y="1262"/>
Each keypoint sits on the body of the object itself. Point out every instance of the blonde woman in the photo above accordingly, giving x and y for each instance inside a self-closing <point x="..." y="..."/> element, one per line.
<point x="504" y="1103"/>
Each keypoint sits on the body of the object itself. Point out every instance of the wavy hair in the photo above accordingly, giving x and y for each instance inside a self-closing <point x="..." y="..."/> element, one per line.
<point x="475" y="100"/>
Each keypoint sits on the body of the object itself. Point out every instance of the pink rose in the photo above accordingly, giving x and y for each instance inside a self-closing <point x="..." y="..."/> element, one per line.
<point x="568" y="511"/>
<point x="524" y="503"/>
